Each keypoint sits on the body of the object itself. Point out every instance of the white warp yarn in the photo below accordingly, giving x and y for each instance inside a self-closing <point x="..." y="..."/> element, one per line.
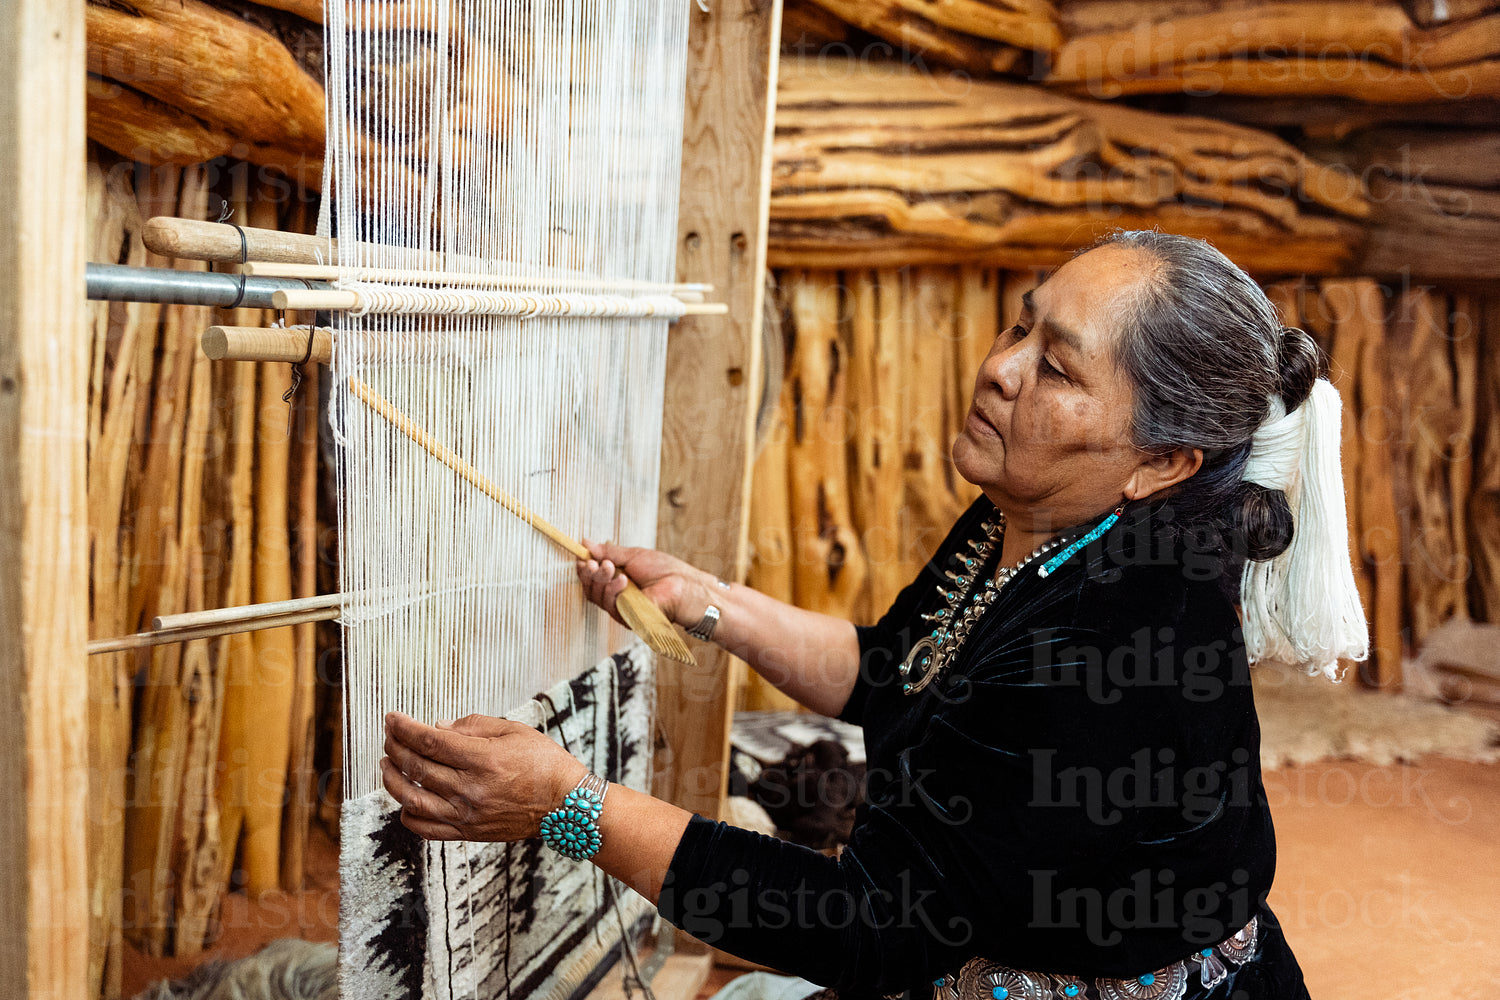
<point x="1303" y="607"/>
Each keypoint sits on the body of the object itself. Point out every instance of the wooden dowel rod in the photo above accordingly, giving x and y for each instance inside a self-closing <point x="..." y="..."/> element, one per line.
<point x="215" y="241"/>
<point x="317" y="272"/>
<point x="332" y="300"/>
<point x="142" y="639"/>
<point x="288" y="345"/>
<point x="272" y="609"/>
<point x="196" y="240"/>
<point x="342" y="301"/>
<point x="279" y="344"/>
<point x="448" y="457"/>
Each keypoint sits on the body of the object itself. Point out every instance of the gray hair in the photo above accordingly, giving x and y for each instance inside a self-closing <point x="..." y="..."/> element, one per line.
<point x="1204" y="350"/>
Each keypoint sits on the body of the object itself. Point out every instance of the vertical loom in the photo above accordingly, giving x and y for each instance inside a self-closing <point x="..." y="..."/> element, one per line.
<point x="503" y="183"/>
<point x="712" y="380"/>
<point x="498" y="265"/>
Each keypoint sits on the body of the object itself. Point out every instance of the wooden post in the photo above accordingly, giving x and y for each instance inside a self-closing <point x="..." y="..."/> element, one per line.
<point x="44" y="370"/>
<point x="708" y="423"/>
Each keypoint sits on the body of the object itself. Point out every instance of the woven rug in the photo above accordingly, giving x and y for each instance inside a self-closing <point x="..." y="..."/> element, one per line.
<point x="446" y="920"/>
<point x="1305" y="719"/>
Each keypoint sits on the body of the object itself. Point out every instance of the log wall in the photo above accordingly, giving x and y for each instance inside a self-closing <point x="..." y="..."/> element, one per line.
<point x="854" y="488"/>
<point x="202" y="494"/>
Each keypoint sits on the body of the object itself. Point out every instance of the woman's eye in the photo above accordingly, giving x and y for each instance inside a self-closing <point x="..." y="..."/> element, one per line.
<point x="1017" y="332"/>
<point x="1049" y="370"/>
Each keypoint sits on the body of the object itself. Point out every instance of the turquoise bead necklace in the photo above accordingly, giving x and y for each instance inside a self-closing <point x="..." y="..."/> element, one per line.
<point x="931" y="654"/>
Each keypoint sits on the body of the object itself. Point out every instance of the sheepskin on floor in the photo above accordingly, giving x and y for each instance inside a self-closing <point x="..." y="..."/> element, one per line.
<point x="1305" y="719"/>
<point x="284" y="970"/>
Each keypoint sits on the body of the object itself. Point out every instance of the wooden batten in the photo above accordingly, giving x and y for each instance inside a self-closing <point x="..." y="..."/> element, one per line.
<point x="44" y="426"/>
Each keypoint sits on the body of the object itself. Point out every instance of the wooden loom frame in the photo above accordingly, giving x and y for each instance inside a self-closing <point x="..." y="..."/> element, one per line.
<point x="713" y="377"/>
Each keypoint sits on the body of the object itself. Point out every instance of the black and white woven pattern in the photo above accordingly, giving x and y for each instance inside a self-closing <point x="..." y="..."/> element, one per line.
<point x="452" y="921"/>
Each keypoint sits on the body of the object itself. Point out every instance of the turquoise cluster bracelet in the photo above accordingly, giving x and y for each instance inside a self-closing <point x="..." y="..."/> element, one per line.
<point x="572" y="829"/>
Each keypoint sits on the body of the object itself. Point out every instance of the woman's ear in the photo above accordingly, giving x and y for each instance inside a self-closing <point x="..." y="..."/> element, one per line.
<point x="1162" y="471"/>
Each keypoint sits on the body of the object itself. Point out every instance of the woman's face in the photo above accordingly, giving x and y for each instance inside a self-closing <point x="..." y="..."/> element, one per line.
<point x="1048" y="434"/>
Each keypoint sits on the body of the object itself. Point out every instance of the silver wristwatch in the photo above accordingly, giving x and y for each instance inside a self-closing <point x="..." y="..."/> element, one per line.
<point x="705" y="628"/>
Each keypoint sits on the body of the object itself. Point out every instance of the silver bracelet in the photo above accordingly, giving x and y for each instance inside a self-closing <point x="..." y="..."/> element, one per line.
<point x="705" y="628"/>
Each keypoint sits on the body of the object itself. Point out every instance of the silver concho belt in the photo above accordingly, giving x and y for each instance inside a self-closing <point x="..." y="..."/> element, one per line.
<point x="981" y="979"/>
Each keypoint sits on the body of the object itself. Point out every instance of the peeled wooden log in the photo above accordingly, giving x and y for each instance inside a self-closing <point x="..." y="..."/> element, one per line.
<point x="1430" y="13"/>
<point x="770" y="522"/>
<point x="312" y="10"/>
<point x="166" y="527"/>
<point x="1368" y="49"/>
<point x="807" y="27"/>
<point x="982" y="36"/>
<point x="927" y="301"/>
<point x="147" y="130"/>
<point x="123" y="352"/>
<point x="773" y="554"/>
<point x="1380" y="526"/>
<point x="829" y="568"/>
<point x="878" y="165"/>
<point x="1435" y="196"/>
<point x="877" y="387"/>
<point x="1484" y="498"/>
<point x="1324" y="118"/>
<point x="1340" y="323"/>
<point x="302" y="778"/>
<point x="1439" y="429"/>
<point x="216" y="67"/>
<point x="238" y="666"/>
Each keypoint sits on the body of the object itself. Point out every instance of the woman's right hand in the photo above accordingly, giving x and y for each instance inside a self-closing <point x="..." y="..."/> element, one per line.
<point x="679" y="590"/>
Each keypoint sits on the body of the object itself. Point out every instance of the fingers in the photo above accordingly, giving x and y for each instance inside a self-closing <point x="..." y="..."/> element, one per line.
<point x="485" y="726"/>
<point x="430" y="774"/>
<point x="430" y="829"/>
<point x="617" y="584"/>
<point x="617" y="554"/>
<point x="443" y="746"/>
<point x="602" y="583"/>
<point x="423" y="812"/>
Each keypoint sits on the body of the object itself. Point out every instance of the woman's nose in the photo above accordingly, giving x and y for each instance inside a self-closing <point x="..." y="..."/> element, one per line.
<point x="1005" y="369"/>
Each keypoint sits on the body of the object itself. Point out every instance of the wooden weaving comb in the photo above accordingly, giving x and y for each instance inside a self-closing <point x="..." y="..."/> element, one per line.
<point x="643" y="617"/>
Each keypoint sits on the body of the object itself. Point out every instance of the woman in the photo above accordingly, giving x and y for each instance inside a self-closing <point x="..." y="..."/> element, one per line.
<point x="1064" y="795"/>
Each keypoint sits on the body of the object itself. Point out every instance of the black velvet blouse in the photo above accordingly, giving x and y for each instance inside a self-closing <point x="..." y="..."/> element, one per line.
<point x="1079" y="792"/>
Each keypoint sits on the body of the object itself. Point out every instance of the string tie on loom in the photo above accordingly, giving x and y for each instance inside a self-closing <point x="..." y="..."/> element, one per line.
<point x="1303" y="607"/>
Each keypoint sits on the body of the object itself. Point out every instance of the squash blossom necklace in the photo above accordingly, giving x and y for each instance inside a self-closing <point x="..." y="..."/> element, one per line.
<point x="966" y="599"/>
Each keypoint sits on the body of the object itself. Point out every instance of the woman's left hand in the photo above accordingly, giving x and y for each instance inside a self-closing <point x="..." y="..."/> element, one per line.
<point x="481" y="778"/>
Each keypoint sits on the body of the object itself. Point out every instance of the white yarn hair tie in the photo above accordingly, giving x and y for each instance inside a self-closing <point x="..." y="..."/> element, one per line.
<point x="1302" y="607"/>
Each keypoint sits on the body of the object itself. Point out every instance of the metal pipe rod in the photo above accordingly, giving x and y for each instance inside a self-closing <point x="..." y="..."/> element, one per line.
<point x="119" y="283"/>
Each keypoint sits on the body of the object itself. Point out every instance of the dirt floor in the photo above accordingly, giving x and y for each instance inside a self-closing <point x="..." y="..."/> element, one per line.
<point x="1388" y="885"/>
<point x="1388" y="881"/>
